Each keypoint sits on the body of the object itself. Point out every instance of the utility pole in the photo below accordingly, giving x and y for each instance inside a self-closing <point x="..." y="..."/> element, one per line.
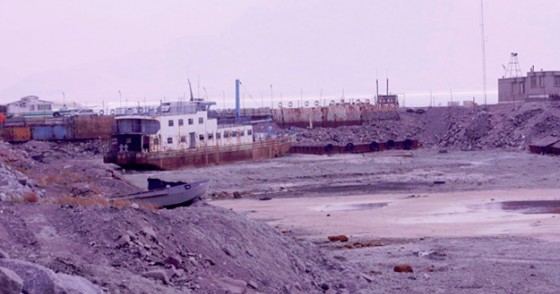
<point x="483" y="50"/>
<point x="431" y="98"/>
<point x="237" y="100"/>
<point x="120" y="99"/>
<point x="271" y="97"/>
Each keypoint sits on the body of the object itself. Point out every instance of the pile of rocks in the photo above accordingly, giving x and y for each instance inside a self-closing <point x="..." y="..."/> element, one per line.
<point x="58" y="169"/>
<point x="496" y="126"/>
<point x="130" y="250"/>
<point x="201" y="248"/>
<point x="19" y="276"/>
<point x="13" y="183"/>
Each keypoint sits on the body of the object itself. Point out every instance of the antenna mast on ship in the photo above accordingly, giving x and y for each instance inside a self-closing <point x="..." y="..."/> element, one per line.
<point x="190" y="89"/>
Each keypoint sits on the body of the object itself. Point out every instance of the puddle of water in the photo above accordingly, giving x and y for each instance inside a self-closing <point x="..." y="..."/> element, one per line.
<point x="532" y="206"/>
<point x="354" y="206"/>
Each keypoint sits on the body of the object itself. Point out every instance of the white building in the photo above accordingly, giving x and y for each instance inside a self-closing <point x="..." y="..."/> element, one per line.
<point x="536" y="86"/>
<point x="30" y="105"/>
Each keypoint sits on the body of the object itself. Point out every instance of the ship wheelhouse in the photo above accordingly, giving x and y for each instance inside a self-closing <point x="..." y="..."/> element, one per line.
<point x="133" y="133"/>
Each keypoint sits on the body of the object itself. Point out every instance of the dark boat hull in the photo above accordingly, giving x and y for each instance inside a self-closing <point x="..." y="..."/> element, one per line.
<point x="168" y="160"/>
<point x="172" y="196"/>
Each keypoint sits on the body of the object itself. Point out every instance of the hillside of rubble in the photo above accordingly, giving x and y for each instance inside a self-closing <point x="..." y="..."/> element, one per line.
<point x="58" y="234"/>
<point x="457" y="128"/>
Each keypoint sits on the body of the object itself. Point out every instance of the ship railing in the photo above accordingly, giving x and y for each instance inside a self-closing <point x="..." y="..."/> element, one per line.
<point x="202" y="150"/>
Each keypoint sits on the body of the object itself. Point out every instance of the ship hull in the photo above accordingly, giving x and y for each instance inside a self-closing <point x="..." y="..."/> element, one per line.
<point x="176" y="159"/>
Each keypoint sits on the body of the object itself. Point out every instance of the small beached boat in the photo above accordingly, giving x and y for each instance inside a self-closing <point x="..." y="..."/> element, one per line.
<point x="169" y="194"/>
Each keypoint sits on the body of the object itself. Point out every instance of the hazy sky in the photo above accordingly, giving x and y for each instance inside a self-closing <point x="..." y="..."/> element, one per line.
<point x="146" y="49"/>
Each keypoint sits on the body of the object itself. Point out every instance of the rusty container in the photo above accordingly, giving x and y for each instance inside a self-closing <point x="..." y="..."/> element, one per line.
<point x="16" y="134"/>
<point x="93" y="127"/>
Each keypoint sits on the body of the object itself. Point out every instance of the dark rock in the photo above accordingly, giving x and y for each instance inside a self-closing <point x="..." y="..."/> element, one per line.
<point x="403" y="268"/>
<point x="10" y="282"/>
<point x="253" y="285"/>
<point x="174" y="261"/>
<point x="341" y="238"/>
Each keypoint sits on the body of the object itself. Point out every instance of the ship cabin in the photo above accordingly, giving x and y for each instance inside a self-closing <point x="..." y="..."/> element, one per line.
<point x="176" y="126"/>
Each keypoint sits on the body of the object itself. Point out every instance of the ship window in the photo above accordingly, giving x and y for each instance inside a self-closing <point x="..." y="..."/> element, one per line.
<point x="200" y="120"/>
<point x="210" y="136"/>
<point x="234" y="133"/>
<point x="226" y="134"/>
<point x="169" y="140"/>
<point x="181" y="122"/>
<point x="242" y="133"/>
<point x="156" y="141"/>
<point x="32" y="107"/>
<point x="201" y="137"/>
<point x="183" y="139"/>
<point x="218" y="135"/>
<point x="191" y="121"/>
<point x="170" y="122"/>
<point x="249" y="132"/>
<point x="557" y="81"/>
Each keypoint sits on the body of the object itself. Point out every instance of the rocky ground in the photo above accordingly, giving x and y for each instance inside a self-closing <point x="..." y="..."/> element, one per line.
<point x="58" y="234"/>
<point x="55" y="224"/>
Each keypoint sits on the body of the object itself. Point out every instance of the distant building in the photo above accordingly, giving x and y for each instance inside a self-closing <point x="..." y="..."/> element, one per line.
<point x="536" y="86"/>
<point x="469" y="104"/>
<point x="30" y="105"/>
<point x="453" y="103"/>
<point x="387" y="100"/>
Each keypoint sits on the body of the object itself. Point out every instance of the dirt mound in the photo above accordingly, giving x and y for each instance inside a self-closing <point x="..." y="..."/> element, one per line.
<point x="127" y="250"/>
<point x="201" y="248"/>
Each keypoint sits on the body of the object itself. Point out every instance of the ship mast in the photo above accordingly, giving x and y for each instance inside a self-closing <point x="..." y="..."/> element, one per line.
<point x="190" y="89"/>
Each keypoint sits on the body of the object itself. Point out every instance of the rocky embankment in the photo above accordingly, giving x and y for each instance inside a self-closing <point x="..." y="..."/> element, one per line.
<point x="494" y="127"/>
<point x="58" y="235"/>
